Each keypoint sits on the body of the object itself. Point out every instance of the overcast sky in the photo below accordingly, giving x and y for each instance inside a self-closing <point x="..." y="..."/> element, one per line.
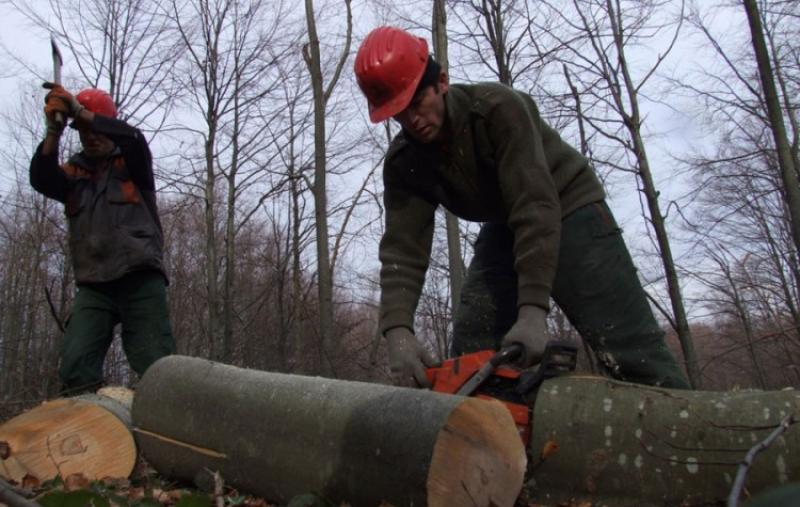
<point x="30" y="45"/>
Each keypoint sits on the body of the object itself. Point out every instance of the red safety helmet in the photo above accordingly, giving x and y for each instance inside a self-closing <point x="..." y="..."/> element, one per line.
<point x="97" y="101"/>
<point x="388" y="67"/>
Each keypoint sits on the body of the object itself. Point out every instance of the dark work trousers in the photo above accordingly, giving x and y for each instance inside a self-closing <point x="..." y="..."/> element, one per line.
<point x="595" y="285"/>
<point x="138" y="301"/>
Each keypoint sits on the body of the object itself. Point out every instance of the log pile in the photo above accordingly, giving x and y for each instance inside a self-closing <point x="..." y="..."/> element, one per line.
<point x="277" y="436"/>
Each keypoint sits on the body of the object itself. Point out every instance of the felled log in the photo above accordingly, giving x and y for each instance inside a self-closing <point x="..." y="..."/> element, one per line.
<point x="279" y="435"/>
<point x="87" y="434"/>
<point x="616" y="443"/>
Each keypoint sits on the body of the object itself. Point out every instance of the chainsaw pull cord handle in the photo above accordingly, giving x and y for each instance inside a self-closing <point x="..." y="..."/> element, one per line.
<point x="507" y="354"/>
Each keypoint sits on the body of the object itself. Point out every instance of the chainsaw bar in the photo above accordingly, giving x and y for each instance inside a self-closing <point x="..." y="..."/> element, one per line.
<point x="506" y="355"/>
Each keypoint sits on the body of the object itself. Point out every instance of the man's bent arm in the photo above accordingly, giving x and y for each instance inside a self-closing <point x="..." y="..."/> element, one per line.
<point x="530" y="196"/>
<point x="134" y="147"/>
<point x="405" y="251"/>
<point x="45" y="174"/>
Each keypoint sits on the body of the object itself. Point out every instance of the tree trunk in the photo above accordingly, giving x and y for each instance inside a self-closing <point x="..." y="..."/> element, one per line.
<point x="633" y="123"/>
<point x="86" y="434"/>
<point x="324" y="275"/>
<point x="454" y="257"/>
<point x="791" y="186"/>
<point x="212" y="257"/>
<point x="278" y="435"/>
<point x="628" y="444"/>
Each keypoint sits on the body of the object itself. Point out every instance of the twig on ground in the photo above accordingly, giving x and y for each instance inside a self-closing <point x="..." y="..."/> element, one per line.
<point x="219" y="490"/>
<point x="741" y="474"/>
<point x="10" y="496"/>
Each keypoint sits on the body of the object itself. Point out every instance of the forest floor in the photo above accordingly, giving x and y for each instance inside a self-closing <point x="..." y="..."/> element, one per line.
<point x="145" y="488"/>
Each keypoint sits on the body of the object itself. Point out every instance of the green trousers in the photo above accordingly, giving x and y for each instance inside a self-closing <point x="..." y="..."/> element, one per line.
<point x="139" y="302"/>
<point x="595" y="285"/>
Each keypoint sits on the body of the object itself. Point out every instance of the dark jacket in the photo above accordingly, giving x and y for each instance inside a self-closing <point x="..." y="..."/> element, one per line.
<point x="110" y="205"/>
<point x="502" y="164"/>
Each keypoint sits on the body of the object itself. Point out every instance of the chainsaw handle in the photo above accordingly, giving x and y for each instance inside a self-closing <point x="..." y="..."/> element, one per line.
<point x="507" y="354"/>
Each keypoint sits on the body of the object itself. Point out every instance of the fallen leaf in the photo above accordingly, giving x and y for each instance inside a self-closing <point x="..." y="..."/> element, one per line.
<point x="136" y="493"/>
<point x="116" y="482"/>
<point x="256" y="502"/>
<point x="30" y="482"/>
<point x="550" y="448"/>
<point x="169" y="497"/>
<point x="76" y="482"/>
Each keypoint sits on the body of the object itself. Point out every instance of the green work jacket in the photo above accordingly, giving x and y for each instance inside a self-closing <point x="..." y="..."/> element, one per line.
<point x="501" y="163"/>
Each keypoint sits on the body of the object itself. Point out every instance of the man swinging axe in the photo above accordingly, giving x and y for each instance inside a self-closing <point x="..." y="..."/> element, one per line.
<point x="115" y="235"/>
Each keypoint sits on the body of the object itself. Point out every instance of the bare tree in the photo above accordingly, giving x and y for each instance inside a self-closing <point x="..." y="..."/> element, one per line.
<point x="455" y="257"/>
<point x="504" y="37"/>
<point x="229" y="73"/>
<point x="35" y="273"/>
<point x="743" y="206"/>
<point x="786" y="160"/>
<point x="123" y="46"/>
<point x="600" y="66"/>
<point x="322" y="94"/>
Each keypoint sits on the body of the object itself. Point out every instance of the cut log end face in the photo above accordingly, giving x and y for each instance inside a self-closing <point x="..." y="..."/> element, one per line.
<point x="64" y="437"/>
<point x="478" y="458"/>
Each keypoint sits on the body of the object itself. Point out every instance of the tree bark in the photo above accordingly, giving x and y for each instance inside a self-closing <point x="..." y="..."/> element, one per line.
<point x="633" y="122"/>
<point x="278" y="435"/>
<point x="454" y="257"/>
<point x="321" y="94"/>
<point x="791" y="186"/>
<point x="88" y="434"/>
<point x="628" y="444"/>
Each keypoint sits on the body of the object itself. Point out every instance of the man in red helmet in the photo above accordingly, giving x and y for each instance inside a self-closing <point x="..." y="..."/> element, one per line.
<point x="115" y="236"/>
<point x="484" y="152"/>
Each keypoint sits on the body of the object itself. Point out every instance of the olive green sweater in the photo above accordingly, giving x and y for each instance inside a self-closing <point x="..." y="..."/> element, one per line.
<point x="501" y="164"/>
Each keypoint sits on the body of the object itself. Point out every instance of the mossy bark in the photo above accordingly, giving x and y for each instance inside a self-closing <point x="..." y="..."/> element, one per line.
<point x="623" y="444"/>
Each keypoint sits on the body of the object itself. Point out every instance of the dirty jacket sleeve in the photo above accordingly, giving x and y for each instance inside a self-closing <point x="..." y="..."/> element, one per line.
<point x="405" y="249"/>
<point x="529" y="195"/>
<point x="134" y="148"/>
<point x="47" y="178"/>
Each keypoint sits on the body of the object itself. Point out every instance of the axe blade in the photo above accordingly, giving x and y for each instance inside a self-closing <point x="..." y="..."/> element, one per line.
<point x="57" y="63"/>
<point x="57" y="60"/>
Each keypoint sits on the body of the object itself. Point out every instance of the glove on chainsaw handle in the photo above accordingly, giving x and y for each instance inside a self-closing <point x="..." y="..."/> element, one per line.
<point x="530" y="332"/>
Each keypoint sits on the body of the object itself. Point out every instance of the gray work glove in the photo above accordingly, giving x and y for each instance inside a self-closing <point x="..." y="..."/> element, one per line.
<point x="408" y="358"/>
<point x="529" y="331"/>
<point x="69" y="105"/>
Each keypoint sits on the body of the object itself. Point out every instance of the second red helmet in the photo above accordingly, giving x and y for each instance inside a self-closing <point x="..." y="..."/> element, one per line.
<point x="97" y="101"/>
<point x="389" y="65"/>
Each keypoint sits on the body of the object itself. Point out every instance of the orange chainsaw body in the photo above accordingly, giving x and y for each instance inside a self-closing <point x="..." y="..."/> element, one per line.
<point x="453" y="373"/>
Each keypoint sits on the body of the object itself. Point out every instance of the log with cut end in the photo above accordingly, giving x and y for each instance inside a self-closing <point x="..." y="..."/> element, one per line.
<point x="278" y="435"/>
<point x="626" y="444"/>
<point x="88" y="434"/>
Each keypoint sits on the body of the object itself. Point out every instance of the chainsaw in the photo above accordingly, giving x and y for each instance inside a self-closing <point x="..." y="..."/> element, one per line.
<point x="491" y="375"/>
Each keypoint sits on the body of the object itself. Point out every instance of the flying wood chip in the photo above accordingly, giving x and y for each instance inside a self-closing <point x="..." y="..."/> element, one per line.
<point x="75" y="482"/>
<point x="549" y="448"/>
<point x="30" y="481"/>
